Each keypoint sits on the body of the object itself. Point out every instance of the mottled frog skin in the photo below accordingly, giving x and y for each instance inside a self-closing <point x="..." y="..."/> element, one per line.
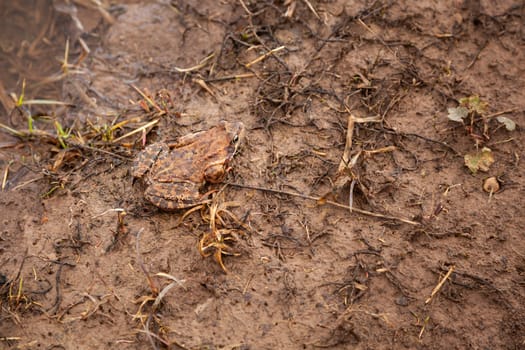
<point x="174" y="173"/>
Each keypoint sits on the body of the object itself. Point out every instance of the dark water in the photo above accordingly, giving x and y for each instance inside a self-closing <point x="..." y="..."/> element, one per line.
<point x="33" y="36"/>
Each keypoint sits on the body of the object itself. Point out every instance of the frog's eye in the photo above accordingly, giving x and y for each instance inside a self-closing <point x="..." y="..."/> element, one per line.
<point x="235" y="139"/>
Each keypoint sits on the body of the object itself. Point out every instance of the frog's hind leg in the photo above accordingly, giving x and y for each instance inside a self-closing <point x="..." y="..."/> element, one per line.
<point x="172" y="196"/>
<point x="146" y="158"/>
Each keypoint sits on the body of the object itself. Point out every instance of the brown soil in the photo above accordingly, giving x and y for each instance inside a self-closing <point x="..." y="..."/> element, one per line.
<point x="308" y="274"/>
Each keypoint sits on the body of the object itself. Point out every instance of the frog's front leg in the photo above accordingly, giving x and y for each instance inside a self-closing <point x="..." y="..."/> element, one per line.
<point x="174" y="195"/>
<point x="216" y="173"/>
<point x="147" y="157"/>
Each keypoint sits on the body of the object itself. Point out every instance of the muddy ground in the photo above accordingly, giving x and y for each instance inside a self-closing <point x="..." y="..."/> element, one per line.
<point x="81" y="249"/>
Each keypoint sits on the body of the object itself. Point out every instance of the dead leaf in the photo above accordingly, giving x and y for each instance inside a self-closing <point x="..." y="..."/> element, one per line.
<point x="457" y="114"/>
<point x="510" y="125"/>
<point x="480" y="160"/>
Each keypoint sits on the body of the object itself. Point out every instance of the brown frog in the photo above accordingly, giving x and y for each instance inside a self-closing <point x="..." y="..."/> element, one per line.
<point x="174" y="173"/>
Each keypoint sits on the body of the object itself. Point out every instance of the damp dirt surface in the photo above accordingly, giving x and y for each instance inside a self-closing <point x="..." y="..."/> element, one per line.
<point x="344" y="103"/>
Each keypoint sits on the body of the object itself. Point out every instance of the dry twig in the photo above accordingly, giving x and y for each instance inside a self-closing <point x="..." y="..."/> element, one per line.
<point x="440" y="284"/>
<point x="322" y="200"/>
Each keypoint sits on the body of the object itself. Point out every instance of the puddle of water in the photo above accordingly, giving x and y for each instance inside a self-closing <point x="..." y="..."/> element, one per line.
<point x="33" y="35"/>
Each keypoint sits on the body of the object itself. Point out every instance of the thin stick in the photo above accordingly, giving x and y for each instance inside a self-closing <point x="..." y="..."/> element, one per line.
<point x="230" y="77"/>
<point x="260" y="58"/>
<point x="245" y="8"/>
<point x="360" y="21"/>
<point x="501" y="112"/>
<point x="335" y="204"/>
<point x="483" y="46"/>
<point x="152" y="285"/>
<point x="440" y="284"/>
<point x="27" y="182"/>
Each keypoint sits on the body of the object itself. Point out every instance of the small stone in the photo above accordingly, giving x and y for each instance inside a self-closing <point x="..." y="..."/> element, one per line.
<point x="491" y="185"/>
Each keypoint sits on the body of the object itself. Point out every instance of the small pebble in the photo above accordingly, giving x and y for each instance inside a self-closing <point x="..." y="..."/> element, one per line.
<point x="491" y="185"/>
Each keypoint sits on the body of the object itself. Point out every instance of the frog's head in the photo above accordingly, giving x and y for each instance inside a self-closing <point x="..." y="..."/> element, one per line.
<point x="229" y="140"/>
<point x="235" y="132"/>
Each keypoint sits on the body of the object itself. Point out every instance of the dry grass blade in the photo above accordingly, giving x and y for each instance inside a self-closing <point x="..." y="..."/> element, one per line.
<point x="13" y="131"/>
<point x="163" y="293"/>
<point x="173" y="278"/>
<point x="312" y="9"/>
<point x="46" y="102"/>
<point x="440" y="284"/>
<point x="216" y="241"/>
<point x="28" y="133"/>
<point x="25" y="183"/>
<point x="153" y="335"/>
<point x="230" y="214"/>
<point x="231" y="77"/>
<point x="147" y="98"/>
<point x="205" y="86"/>
<point x="188" y="212"/>
<point x="202" y="64"/>
<point x="348" y="144"/>
<point x="260" y="58"/>
<point x="6" y="173"/>
<point x="381" y="150"/>
<point x="97" y="305"/>
<point x="137" y="130"/>
<point x="425" y="322"/>
<point x="155" y="300"/>
<point x="65" y="64"/>
<point x="8" y="339"/>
